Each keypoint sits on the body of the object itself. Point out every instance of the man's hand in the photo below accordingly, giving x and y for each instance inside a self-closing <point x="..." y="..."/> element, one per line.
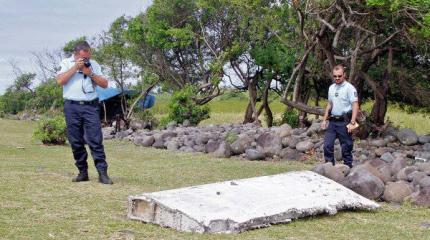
<point x="324" y="125"/>
<point x="86" y="70"/>
<point x="79" y="64"/>
<point x="352" y="126"/>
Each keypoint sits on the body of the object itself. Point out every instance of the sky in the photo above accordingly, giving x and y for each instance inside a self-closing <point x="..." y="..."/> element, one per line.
<point x="35" y="25"/>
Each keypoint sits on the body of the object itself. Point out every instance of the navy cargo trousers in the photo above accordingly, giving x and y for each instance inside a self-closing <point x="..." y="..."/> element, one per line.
<point x="84" y="127"/>
<point x="337" y="129"/>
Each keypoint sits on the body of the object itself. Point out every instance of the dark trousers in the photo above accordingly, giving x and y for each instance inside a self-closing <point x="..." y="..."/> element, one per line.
<point x="83" y="126"/>
<point x="337" y="129"/>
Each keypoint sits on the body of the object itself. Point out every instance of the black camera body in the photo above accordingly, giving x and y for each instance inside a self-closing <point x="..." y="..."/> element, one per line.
<point x="87" y="62"/>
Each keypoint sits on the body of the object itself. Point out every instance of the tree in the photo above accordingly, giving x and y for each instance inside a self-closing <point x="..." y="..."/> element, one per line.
<point x="363" y="35"/>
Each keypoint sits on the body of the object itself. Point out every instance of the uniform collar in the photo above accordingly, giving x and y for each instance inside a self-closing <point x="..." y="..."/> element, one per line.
<point x="340" y="85"/>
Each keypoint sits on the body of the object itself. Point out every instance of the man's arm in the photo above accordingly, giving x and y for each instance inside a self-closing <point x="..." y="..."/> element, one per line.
<point x="354" y="111"/>
<point x="100" y="80"/>
<point x="326" y="115"/>
<point x="63" y="78"/>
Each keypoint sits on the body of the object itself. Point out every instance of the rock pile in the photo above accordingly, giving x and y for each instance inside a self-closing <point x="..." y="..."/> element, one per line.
<point x="382" y="169"/>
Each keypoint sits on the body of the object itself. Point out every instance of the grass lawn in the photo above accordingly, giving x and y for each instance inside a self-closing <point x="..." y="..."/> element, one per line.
<point x="39" y="201"/>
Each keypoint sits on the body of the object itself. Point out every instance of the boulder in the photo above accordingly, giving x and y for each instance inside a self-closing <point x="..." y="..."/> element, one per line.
<point x="315" y="128"/>
<point x="321" y="168"/>
<point x="424" y="139"/>
<point x="291" y="142"/>
<point x="390" y="138"/>
<point x="241" y="144"/>
<point x="381" y="150"/>
<point x="290" y="154"/>
<point x="407" y="136"/>
<point x="424" y="182"/>
<point x="212" y="146"/>
<point x="147" y="141"/>
<point x="415" y="177"/>
<point x="284" y="130"/>
<point x="158" y="144"/>
<point x="378" y="143"/>
<point x="365" y="183"/>
<point x="270" y="143"/>
<point x="137" y="140"/>
<point x="304" y="146"/>
<point x="253" y="154"/>
<point x="426" y="147"/>
<point x="223" y="151"/>
<point x="202" y="139"/>
<point x="404" y="172"/>
<point x="422" y="198"/>
<point x="423" y="167"/>
<point x="199" y="148"/>
<point x="385" y="173"/>
<point x="343" y="168"/>
<point x="172" y="145"/>
<point x="336" y="173"/>
<point x="397" y="165"/>
<point x="397" y="191"/>
<point x="387" y="157"/>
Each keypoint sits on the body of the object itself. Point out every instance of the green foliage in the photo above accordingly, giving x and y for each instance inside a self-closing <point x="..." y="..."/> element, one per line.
<point x="48" y="95"/>
<point x="231" y="137"/>
<point x="290" y="117"/>
<point x="51" y="130"/>
<point x="13" y="102"/>
<point x="24" y="81"/>
<point x="183" y="107"/>
<point x="146" y="116"/>
<point x="68" y="47"/>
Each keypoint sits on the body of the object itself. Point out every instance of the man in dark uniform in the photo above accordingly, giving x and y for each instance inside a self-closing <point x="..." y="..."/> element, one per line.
<point x="341" y="111"/>
<point x="79" y="76"/>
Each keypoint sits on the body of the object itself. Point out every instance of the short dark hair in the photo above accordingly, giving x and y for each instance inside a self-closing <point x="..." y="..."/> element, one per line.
<point x="81" y="45"/>
<point x="338" y="67"/>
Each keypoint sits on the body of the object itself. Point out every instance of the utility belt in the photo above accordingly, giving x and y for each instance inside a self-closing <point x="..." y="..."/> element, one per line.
<point x="92" y="102"/>
<point x="346" y="117"/>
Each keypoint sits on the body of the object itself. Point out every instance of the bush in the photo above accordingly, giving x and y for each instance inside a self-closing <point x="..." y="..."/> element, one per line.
<point x="289" y="117"/>
<point x="146" y="116"/>
<point x="13" y="102"/>
<point x="182" y="107"/>
<point x="51" y="130"/>
<point x="48" y="95"/>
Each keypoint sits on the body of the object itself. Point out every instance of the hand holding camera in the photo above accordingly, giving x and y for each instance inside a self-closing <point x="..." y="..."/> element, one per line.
<point x="84" y="66"/>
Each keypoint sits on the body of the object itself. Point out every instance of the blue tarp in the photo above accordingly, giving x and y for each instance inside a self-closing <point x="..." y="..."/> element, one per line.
<point x="106" y="93"/>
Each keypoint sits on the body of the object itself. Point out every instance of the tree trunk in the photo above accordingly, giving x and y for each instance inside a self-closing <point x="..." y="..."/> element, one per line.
<point x="250" y="114"/>
<point x="379" y="108"/>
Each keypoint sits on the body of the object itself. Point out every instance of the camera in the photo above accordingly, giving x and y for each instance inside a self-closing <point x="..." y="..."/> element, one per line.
<point x="87" y="62"/>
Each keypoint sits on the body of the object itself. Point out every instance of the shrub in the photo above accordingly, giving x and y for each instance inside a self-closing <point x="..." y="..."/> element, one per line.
<point x="231" y="137"/>
<point x="182" y="107"/>
<point x="48" y="95"/>
<point x="13" y="102"/>
<point x="290" y="117"/>
<point x="51" y="130"/>
<point x="146" y="116"/>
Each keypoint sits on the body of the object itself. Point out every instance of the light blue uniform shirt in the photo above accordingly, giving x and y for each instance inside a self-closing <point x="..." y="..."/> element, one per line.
<point x="341" y="96"/>
<point x="79" y="88"/>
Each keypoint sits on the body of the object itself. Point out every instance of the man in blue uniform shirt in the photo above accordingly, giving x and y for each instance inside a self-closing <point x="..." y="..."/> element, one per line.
<point x="341" y="113"/>
<point x="79" y="76"/>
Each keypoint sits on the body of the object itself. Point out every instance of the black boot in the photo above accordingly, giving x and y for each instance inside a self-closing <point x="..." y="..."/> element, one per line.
<point x="82" y="176"/>
<point x="104" y="178"/>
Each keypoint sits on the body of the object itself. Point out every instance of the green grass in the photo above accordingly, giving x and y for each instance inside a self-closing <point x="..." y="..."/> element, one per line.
<point x="39" y="201"/>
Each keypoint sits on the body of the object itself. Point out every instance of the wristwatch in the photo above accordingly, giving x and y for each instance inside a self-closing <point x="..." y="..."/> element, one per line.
<point x="353" y="122"/>
<point x="92" y="75"/>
